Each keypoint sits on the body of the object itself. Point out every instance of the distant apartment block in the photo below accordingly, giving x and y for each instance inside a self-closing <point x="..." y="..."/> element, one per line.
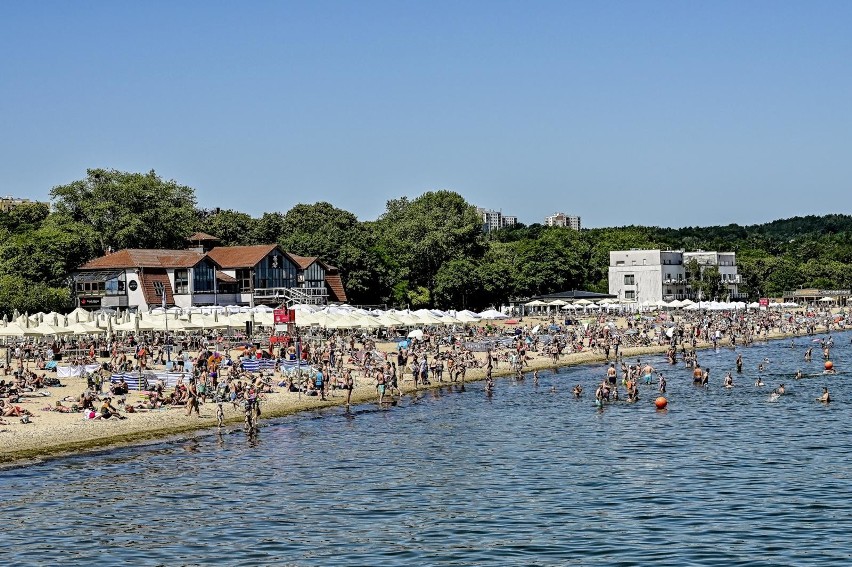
<point x="8" y="203"/>
<point x="563" y="220"/>
<point x="495" y="220"/>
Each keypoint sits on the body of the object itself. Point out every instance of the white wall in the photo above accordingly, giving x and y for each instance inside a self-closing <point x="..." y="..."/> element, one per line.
<point x="135" y="298"/>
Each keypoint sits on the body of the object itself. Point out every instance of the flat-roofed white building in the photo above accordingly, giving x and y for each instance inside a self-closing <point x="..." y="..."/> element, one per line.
<point x="495" y="220"/>
<point x="655" y="275"/>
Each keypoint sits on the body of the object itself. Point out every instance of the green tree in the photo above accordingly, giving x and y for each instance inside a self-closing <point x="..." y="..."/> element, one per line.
<point x="232" y="228"/>
<point x="24" y="217"/>
<point x="457" y="285"/>
<point x="423" y="234"/>
<point x="32" y="297"/>
<point x="128" y="210"/>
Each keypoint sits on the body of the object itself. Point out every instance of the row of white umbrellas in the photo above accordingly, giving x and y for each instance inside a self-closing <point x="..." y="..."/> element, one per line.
<point x="82" y="322"/>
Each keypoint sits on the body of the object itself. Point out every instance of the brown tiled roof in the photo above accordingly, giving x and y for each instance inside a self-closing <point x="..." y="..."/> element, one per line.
<point x="240" y="256"/>
<point x="149" y="290"/>
<point x="225" y="278"/>
<point x="335" y="288"/>
<point x="201" y="237"/>
<point x="302" y="261"/>
<point x="139" y="258"/>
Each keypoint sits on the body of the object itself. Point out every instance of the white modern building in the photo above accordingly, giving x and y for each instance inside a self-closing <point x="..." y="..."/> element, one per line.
<point x="495" y="220"/>
<point x="655" y="275"/>
<point x="563" y="220"/>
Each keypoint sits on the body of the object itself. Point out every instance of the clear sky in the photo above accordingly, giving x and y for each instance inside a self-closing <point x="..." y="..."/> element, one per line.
<point x="662" y="113"/>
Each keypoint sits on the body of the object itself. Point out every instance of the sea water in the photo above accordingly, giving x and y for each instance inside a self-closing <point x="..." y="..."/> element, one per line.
<point x="526" y="475"/>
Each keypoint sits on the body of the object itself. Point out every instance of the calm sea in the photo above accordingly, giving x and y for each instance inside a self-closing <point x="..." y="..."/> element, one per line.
<point x="525" y="476"/>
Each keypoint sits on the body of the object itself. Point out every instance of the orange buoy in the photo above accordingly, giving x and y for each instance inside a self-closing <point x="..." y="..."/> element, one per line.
<point x="829" y="365"/>
<point x="661" y="402"/>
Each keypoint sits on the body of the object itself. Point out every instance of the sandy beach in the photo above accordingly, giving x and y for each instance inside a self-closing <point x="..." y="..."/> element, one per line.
<point x="54" y="433"/>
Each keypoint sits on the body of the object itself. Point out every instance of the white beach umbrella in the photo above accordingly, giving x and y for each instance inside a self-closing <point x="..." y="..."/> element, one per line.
<point x="491" y="314"/>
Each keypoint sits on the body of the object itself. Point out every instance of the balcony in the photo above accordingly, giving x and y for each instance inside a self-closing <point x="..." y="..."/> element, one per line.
<point x="291" y="295"/>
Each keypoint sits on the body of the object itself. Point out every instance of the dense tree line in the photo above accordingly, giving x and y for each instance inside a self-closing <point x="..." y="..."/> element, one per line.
<point x="427" y="251"/>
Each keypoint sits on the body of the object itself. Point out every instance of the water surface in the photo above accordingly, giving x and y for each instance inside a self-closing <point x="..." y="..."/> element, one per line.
<point x="525" y="476"/>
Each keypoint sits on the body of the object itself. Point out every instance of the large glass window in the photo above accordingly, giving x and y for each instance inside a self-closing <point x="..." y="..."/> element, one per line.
<point x="314" y="276"/>
<point x="274" y="271"/>
<point x="100" y="283"/>
<point x="203" y="278"/>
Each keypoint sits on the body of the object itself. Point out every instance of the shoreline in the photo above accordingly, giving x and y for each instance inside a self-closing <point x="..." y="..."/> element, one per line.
<point x="80" y="441"/>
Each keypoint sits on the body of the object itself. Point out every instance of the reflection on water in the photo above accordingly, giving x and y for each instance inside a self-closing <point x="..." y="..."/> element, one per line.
<point x="524" y="475"/>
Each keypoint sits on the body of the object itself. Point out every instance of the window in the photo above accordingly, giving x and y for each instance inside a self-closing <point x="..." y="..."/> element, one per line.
<point x="629" y="279"/>
<point x="182" y="281"/>
<point x="203" y="276"/>
<point x="619" y="262"/>
<point x="159" y="289"/>
<point x="630" y="294"/>
<point x="668" y="277"/>
<point x="244" y="280"/>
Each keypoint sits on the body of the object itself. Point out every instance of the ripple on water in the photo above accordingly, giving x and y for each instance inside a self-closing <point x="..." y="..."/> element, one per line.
<point x="523" y="477"/>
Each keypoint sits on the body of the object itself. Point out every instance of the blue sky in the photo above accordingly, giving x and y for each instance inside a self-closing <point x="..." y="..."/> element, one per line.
<point x="662" y="113"/>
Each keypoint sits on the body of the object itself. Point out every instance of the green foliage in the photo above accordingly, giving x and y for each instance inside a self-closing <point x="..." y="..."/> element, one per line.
<point x="456" y="283"/>
<point x="232" y="228"/>
<point x="128" y="210"/>
<point x="24" y="217"/>
<point x="423" y="234"/>
<point x="27" y="296"/>
<point x="429" y="251"/>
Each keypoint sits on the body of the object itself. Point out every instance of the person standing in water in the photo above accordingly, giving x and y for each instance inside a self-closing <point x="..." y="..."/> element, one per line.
<point x="739" y="363"/>
<point x="826" y="397"/>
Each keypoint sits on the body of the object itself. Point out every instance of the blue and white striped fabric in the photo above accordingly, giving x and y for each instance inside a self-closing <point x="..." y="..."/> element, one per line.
<point x="134" y="381"/>
<point x="255" y="365"/>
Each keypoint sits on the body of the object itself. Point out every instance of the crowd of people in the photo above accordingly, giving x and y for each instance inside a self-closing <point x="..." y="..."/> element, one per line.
<point x="210" y="370"/>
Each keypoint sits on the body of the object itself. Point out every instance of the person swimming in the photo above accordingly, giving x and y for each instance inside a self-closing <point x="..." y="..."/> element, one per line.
<point x="759" y="382"/>
<point x="826" y="397"/>
<point x="577" y="391"/>
<point x="780" y="390"/>
<point x="799" y="374"/>
<point x="729" y="380"/>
